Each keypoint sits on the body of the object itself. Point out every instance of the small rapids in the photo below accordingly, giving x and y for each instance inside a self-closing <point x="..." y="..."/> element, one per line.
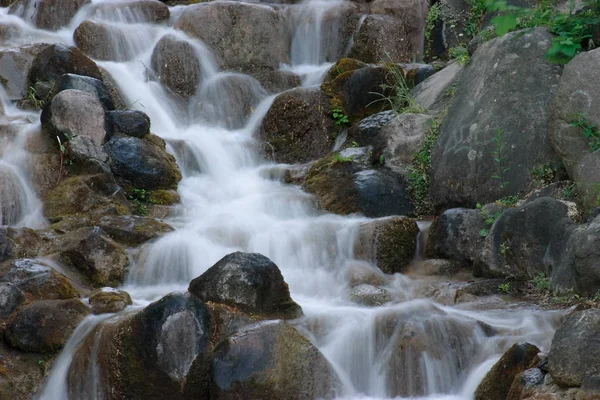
<point x="415" y="346"/>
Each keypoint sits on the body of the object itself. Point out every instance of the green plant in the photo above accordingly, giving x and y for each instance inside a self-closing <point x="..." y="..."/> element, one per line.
<point x="504" y="248"/>
<point x="508" y="201"/>
<point x="33" y="97"/>
<point x="541" y="282"/>
<point x="461" y="54"/>
<point x="596" y="296"/>
<point x="499" y="160"/>
<point x="340" y="118"/>
<point x="488" y="219"/>
<point x="354" y="144"/>
<point x="569" y="191"/>
<point x="451" y="90"/>
<point x="504" y="287"/>
<point x="337" y="158"/>
<point x="433" y="17"/>
<point x="381" y="159"/>
<point x="544" y="174"/>
<point x="400" y="99"/>
<point x="590" y="130"/>
<point x="139" y="199"/>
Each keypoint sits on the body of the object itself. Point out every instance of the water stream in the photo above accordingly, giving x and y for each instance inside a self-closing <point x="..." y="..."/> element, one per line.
<point x="231" y="199"/>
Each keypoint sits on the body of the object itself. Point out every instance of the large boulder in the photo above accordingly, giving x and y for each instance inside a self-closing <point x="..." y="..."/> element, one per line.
<point x="503" y="108"/>
<point x="45" y="326"/>
<point x="132" y="230"/>
<point x="86" y="84"/>
<point x="175" y="63"/>
<point x="436" y="92"/>
<point x="575" y="351"/>
<point x="574" y="108"/>
<point x="497" y="382"/>
<point x="525" y="241"/>
<point x="47" y="14"/>
<point x="14" y="66"/>
<point x="245" y="37"/>
<point x="74" y="113"/>
<point x="248" y="281"/>
<point x="390" y="243"/>
<point x="144" y="164"/>
<point x="298" y="127"/>
<point x="270" y="360"/>
<point x="38" y="281"/>
<point x="160" y="352"/>
<point x="346" y="183"/>
<point x="103" y="41"/>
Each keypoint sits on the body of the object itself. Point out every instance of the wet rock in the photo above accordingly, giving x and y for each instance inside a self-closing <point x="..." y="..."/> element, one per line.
<point x="102" y="41"/>
<point x="457" y="235"/>
<point x="113" y="89"/>
<point x="45" y="326"/>
<point x="10" y="299"/>
<point x="86" y="195"/>
<point x="342" y="66"/>
<point x="575" y="353"/>
<point x="47" y="14"/>
<point x="245" y="37"/>
<point x="95" y="254"/>
<point x="133" y="230"/>
<point x="438" y="267"/>
<point x="370" y="296"/>
<point x="464" y="170"/>
<point x="248" y="281"/>
<point x="141" y="356"/>
<point x="387" y="38"/>
<point x="364" y="273"/>
<point x="436" y="92"/>
<point x="127" y="122"/>
<point x="74" y="113"/>
<point x="525" y="241"/>
<point x="14" y="66"/>
<point x="277" y="81"/>
<point x="144" y="164"/>
<point x="389" y="242"/>
<point x="38" y="281"/>
<point x="346" y="183"/>
<point x="132" y="11"/>
<point x="57" y="60"/>
<point x="270" y="360"/>
<point x="176" y="65"/>
<point x="497" y="382"/>
<point x="526" y="383"/>
<point x="19" y="243"/>
<point x="109" y="300"/>
<point x="86" y="84"/>
<point x="298" y="127"/>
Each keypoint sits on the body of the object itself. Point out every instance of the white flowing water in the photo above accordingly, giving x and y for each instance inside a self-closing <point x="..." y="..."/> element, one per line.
<point x="232" y="200"/>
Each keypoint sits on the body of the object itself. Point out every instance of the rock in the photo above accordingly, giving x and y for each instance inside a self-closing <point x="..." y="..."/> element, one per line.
<point x="270" y="360"/>
<point x="113" y="89"/>
<point x="577" y="269"/>
<point x="370" y="296"/>
<point x="108" y="300"/>
<point x="133" y="230"/>
<point x="436" y="92"/>
<point x="13" y="196"/>
<point x="525" y="241"/>
<point x="19" y="243"/>
<point x="127" y="122"/>
<point x="57" y="60"/>
<point x="96" y="255"/>
<point x="387" y="38"/>
<point x="526" y="383"/>
<point x="298" y="127"/>
<point x="86" y="156"/>
<point x="575" y="354"/>
<point x="175" y="63"/>
<point x="86" y="84"/>
<point x="464" y="170"/>
<point x="132" y="11"/>
<point x="457" y="235"/>
<point x="248" y="281"/>
<point x="45" y="326"/>
<point x="14" y="66"/>
<point x="497" y="382"/>
<point x="74" y="113"/>
<point x="342" y="66"/>
<point x="277" y="81"/>
<point x="38" y="281"/>
<point x="389" y="242"/>
<point x="345" y="183"/>
<point x="10" y="299"/>
<point x="47" y="14"/>
<point x="141" y="356"/>
<point x="86" y="195"/>
<point x="364" y="273"/>
<point x="245" y="37"/>
<point x="103" y="41"/>
<point x="25" y="372"/>
<point x="145" y="165"/>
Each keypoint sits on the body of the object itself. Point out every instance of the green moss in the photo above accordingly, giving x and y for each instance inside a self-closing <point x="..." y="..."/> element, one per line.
<point x="344" y="65"/>
<point x="163" y="197"/>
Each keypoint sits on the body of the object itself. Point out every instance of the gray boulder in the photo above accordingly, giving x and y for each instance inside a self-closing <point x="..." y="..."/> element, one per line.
<point x="86" y="84"/>
<point x="503" y="106"/>
<point x="127" y="122"/>
<point x="176" y="65"/>
<point x="14" y="66"/>
<point x="575" y="353"/>
<point x="103" y="41"/>
<point x="248" y="281"/>
<point x="436" y="92"/>
<point x="47" y="14"/>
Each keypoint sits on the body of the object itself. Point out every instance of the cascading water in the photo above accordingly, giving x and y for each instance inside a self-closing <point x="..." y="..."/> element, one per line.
<point x="232" y="200"/>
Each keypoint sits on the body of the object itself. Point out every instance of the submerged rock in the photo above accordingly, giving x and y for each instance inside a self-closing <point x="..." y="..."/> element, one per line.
<point x="45" y="326"/>
<point x="369" y="295"/>
<point x="250" y="282"/>
<point x="103" y="41"/>
<point x="47" y="14"/>
<point x="270" y="360"/>
<point x="108" y="300"/>
<point x="132" y="11"/>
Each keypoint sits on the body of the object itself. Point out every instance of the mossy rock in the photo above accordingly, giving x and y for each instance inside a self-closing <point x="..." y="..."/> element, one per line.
<point x="342" y="66"/>
<point x="164" y="197"/>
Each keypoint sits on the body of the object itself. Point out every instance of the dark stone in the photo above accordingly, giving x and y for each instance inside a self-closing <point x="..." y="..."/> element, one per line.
<point x="85" y="84"/>
<point x="10" y="299"/>
<point x="248" y="281"/>
<point x="86" y="156"/>
<point x="127" y="122"/>
<point x="38" y="281"/>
